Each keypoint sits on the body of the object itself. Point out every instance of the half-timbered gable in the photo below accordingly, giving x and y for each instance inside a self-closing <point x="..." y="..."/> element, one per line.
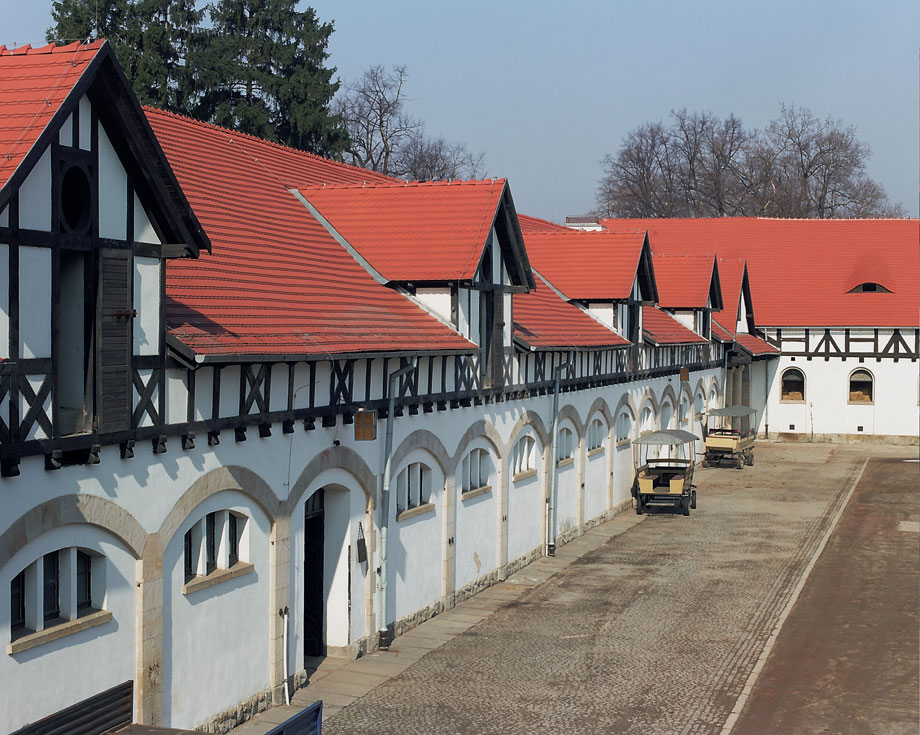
<point x="91" y="211"/>
<point x="608" y="273"/>
<point x="829" y="294"/>
<point x="455" y="248"/>
<point x="689" y="289"/>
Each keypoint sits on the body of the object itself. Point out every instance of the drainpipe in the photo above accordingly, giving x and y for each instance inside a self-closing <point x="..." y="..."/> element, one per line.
<point x="382" y="570"/>
<point x="553" y="482"/>
<point x="766" y="400"/>
<point x="283" y="612"/>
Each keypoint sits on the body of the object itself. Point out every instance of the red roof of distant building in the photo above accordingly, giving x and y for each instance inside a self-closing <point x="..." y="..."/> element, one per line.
<point x="661" y="328"/>
<point x="755" y="345"/>
<point x="588" y="265"/>
<point x="535" y="224"/>
<point x="543" y="320"/>
<point x="412" y="231"/>
<point x="34" y="82"/>
<point x="801" y="270"/>
<point x="277" y="282"/>
<point x="684" y="281"/>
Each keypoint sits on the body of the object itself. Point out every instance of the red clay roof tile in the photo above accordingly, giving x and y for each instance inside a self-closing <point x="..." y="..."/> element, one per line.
<point x="535" y="224"/>
<point x="683" y="280"/>
<point x="755" y="345"/>
<point x="543" y="320"/>
<point x="588" y="265"/>
<point x="801" y="270"/>
<point x="277" y="283"/>
<point x="661" y="328"/>
<point x="34" y="82"/>
<point x="412" y="231"/>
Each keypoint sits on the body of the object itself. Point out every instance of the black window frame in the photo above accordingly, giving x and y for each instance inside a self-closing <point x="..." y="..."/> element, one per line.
<point x="51" y="603"/>
<point x="210" y="542"/>
<point x="84" y="581"/>
<point x="18" y="602"/>
<point x="191" y="567"/>
<point x="233" y="540"/>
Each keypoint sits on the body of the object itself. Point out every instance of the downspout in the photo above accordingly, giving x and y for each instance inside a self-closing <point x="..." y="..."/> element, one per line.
<point x="553" y="481"/>
<point x="766" y="400"/>
<point x="382" y="570"/>
<point x="283" y="612"/>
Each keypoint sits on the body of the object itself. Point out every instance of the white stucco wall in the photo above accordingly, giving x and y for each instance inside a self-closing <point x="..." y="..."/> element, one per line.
<point x="147" y="305"/>
<point x="34" y="302"/>
<point x="526" y="505"/>
<point x="476" y="534"/>
<point x="35" y="196"/>
<point x="79" y="665"/>
<point x="113" y="191"/>
<point x="216" y="640"/>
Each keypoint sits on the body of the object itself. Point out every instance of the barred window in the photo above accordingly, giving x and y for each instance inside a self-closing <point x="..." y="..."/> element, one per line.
<point x="524" y="456"/>
<point x="413" y="486"/>
<point x="565" y="444"/>
<point x="623" y="427"/>
<point x="476" y="468"/>
<point x="596" y="434"/>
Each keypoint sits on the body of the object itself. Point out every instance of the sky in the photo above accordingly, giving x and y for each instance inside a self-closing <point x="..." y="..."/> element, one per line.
<point x="546" y="90"/>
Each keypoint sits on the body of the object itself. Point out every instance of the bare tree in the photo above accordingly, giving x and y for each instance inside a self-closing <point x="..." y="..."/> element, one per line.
<point x="701" y="166"/>
<point x="386" y="138"/>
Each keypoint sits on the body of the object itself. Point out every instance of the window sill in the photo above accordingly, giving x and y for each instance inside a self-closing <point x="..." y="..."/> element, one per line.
<point x="595" y="452"/>
<point x="419" y="510"/>
<point x="59" y="630"/>
<point x="623" y="443"/>
<point x="524" y="475"/>
<point x="202" y="582"/>
<point x="789" y="400"/>
<point x="860" y="403"/>
<point x="475" y="491"/>
<point x="565" y="462"/>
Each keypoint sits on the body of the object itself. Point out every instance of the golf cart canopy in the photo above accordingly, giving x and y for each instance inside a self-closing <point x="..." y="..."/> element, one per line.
<point x="731" y="411"/>
<point x="667" y="437"/>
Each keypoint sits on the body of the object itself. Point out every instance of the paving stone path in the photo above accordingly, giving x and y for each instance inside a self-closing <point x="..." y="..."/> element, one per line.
<point x="654" y="631"/>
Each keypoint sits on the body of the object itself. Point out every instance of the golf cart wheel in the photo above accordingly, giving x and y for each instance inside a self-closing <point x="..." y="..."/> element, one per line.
<point x="739" y="463"/>
<point x="750" y="458"/>
<point x="640" y="507"/>
<point x="705" y="461"/>
<point x="693" y="499"/>
<point x="685" y="505"/>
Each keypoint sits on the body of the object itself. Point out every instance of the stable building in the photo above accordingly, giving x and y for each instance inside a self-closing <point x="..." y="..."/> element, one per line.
<point x="243" y="425"/>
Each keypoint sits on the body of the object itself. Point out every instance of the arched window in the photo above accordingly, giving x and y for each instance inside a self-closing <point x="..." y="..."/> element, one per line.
<point x="684" y="409"/>
<point x="667" y="413"/>
<point x="524" y="456"/>
<point x="60" y="586"/>
<point x="476" y="468"/>
<point x="624" y="427"/>
<point x="862" y="386"/>
<point x="565" y="444"/>
<point x="215" y="543"/>
<point x="413" y="486"/>
<point x="793" y="385"/>
<point x="646" y="422"/>
<point x="869" y="287"/>
<point x="596" y="434"/>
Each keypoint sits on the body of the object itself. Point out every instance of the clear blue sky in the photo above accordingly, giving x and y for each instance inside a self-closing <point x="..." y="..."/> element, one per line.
<point x="547" y="89"/>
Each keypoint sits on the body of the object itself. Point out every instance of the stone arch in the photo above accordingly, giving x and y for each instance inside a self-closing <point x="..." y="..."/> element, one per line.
<point x="421" y="439"/>
<point x="627" y="402"/>
<point x="668" y="392"/>
<point x="73" y="509"/>
<point x="600" y="406"/>
<point x="647" y="401"/>
<point x="335" y="458"/>
<point x="701" y="385"/>
<point x="231" y="477"/>
<point x="479" y="429"/>
<point x="532" y="419"/>
<point x="568" y="412"/>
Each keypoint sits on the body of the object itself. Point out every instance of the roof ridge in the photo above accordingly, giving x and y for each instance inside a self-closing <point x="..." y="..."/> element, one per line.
<point x="256" y="138"/>
<point x="51" y="48"/>
<point x="400" y="183"/>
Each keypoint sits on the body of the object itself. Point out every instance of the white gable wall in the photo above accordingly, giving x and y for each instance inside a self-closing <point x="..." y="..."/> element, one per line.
<point x="35" y="197"/>
<point x="113" y="191"/>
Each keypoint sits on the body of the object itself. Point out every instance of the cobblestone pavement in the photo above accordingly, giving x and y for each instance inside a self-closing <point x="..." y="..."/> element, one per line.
<point x="655" y="631"/>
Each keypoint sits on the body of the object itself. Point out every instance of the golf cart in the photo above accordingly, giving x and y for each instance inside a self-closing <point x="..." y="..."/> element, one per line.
<point x="726" y="444"/>
<point x="665" y="480"/>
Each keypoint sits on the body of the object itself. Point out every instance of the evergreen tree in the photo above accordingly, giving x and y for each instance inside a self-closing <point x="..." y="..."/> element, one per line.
<point x="258" y="68"/>
<point x="261" y="71"/>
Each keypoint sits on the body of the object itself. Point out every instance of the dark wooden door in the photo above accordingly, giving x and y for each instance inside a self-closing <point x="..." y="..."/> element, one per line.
<point x="314" y="521"/>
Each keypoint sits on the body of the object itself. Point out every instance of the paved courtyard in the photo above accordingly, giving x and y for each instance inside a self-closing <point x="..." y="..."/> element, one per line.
<point x="657" y="624"/>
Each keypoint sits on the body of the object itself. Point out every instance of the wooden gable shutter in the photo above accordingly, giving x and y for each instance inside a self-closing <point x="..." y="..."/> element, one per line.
<point x="114" y="392"/>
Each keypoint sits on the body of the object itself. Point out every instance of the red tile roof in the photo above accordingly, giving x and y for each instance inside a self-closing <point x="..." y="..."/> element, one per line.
<point x="755" y="345"/>
<point x="543" y="320"/>
<point x="535" y="224"/>
<point x="721" y="333"/>
<point x="661" y="328"/>
<point x="411" y="231"/>
<point x="34" y="82"/>
<point x="588" y="265"/>
<point x="731" y="275"/>
<point x="801" y="270"/>
<point x="683" y="280"/>
<point x="277" y="283"/>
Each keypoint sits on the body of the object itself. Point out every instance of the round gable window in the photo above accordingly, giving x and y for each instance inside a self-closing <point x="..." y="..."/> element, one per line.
<point x="76" y="200"/>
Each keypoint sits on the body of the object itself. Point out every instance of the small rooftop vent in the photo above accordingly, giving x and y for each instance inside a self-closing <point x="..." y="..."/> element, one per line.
<point x="583" y="222"/>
